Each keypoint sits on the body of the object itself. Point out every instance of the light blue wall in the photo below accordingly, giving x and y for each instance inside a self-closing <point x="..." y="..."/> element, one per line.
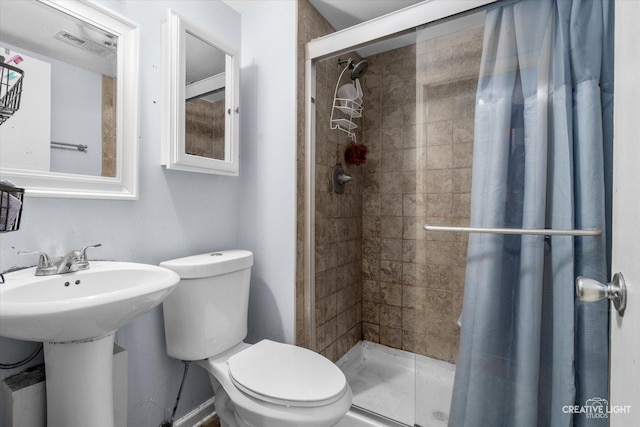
<point x="181" y="213"/>
<point x="76" y="115"/>
<point x="268" y="212"/>
<point x="76" y="118"/>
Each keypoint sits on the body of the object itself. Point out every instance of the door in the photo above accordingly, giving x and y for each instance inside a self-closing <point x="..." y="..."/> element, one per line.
<point x="625" y="339"/>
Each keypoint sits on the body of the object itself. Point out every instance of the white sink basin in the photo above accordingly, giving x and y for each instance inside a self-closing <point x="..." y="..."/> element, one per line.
<point x="82" y="305"/>
<point x="76" y="316"/>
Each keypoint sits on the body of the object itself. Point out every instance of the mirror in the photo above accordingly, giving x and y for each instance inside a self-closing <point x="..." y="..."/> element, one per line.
<point x="75" y="131"/>
<point x="200" y="102"/>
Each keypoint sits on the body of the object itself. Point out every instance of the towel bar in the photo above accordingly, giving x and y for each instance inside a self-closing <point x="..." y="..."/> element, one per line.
<point x="67" y="146"/>
<point x="526" y="231"/>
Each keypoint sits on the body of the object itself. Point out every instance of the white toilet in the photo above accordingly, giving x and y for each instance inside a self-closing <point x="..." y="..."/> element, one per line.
<point x="267" y="384"/>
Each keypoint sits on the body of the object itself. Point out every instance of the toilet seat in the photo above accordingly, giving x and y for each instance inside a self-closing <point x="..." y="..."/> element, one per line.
<point x="240" y="409"/>
<point x="287" y="375"/>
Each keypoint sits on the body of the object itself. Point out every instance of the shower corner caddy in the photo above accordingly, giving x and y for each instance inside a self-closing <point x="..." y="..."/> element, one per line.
<point x="343" y="112"/>
<point x="10" y="90"/>
<point x="11" y="203"/>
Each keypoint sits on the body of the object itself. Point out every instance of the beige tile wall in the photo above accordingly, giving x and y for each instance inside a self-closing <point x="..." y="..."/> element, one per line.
<point x="204" y="128"/>
<point x="379" y="275"/>
<point x="310" y="25"/>
<point x="338" y="226"/>
<point x="419" y="125"/>
<point x="108" y="126"/>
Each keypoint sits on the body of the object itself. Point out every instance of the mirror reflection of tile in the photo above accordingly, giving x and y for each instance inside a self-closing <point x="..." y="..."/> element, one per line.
<point x="204" y="128"/>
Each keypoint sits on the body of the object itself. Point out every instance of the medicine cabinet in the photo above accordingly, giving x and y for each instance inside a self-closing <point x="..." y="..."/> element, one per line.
<point x="200" y="100"/>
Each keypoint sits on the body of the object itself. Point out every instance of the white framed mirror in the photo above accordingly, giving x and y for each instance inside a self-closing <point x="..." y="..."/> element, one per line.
<point x="200" y="100"/>
<point x="75" y="133"/>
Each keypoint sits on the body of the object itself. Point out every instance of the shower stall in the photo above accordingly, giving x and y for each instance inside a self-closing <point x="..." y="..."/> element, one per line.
<point x="387" y="294"/>
<point x="382" y="296"/>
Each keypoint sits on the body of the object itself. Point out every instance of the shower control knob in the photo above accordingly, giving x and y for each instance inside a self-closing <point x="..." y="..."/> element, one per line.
<point x="339" y="178"/>
<point x="590" y="290"/>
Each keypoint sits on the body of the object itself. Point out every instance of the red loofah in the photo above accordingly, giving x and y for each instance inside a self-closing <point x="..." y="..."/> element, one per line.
<point x="356" y="154"/>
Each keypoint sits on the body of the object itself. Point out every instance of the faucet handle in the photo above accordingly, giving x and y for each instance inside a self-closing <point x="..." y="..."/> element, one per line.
<point x="43" y="262"/>
<point x="82" y="255"/>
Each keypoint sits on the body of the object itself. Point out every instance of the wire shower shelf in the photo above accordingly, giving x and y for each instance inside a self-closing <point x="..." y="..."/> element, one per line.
<point x="11" y="202"/>
<point x="345" y="109"/>
<point x="10" y="90"/>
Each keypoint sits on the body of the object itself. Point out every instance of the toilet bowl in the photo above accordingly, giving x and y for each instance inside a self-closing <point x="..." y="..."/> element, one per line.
<point x="271" y="384"/>
<point x="268" y="384"/>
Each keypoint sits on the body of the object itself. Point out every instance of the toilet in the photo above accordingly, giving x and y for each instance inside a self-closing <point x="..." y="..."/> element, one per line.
<point x="267" y="384"/>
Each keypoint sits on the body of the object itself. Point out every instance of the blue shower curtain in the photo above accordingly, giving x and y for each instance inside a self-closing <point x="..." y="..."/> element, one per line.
<point x="542" y="159"/>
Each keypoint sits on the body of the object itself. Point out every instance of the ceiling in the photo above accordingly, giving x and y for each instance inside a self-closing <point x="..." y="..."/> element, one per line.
<point x="30" y="28"/>
<point x="340" y="13"/>
<point x="343" y="14"/>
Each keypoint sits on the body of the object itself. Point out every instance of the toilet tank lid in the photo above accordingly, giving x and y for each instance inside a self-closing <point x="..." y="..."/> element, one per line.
<point x="210" y="264"/>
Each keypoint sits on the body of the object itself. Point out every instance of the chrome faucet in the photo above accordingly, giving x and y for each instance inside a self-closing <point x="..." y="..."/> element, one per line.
<point x="75" y="260"/>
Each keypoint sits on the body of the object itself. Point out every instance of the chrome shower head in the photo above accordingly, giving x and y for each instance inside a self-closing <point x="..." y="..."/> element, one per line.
<point x="358" y="69"/>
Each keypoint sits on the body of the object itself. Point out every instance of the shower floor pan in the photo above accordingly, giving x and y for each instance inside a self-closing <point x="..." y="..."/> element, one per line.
<point x="394" y="388"/>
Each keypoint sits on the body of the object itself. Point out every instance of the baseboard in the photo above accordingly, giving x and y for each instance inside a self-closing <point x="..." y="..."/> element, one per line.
<point x="198" y="416"/>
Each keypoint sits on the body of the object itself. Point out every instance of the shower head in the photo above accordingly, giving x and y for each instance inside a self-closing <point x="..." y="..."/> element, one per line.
<point x="358" y="69"/>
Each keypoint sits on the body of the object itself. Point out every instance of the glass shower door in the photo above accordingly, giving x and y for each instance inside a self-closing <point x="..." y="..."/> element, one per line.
<point x="418" y="98"/>
<point x="447" y="64"/>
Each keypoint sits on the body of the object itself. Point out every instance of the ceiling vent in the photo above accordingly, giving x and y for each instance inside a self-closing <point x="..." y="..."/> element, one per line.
<point x="82" y="43"/>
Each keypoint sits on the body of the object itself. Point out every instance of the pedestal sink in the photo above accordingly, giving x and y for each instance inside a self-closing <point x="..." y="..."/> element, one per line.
<point x="76" y="315"/>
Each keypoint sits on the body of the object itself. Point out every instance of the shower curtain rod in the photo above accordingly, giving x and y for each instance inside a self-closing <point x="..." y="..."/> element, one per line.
<point x="527" y="231"/>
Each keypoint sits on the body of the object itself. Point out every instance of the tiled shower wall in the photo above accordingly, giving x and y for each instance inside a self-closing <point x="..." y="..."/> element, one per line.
<point x="204" y="128"/>
<point x="338" y="226"/>
<point x="418" y="124"/>
<point x="310" y="25"/>
<point x="403" y="286"/>
<point x="108" y="126"/>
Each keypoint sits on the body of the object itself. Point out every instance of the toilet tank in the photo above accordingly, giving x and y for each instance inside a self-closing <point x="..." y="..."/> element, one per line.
<point x="206" y="313"/>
